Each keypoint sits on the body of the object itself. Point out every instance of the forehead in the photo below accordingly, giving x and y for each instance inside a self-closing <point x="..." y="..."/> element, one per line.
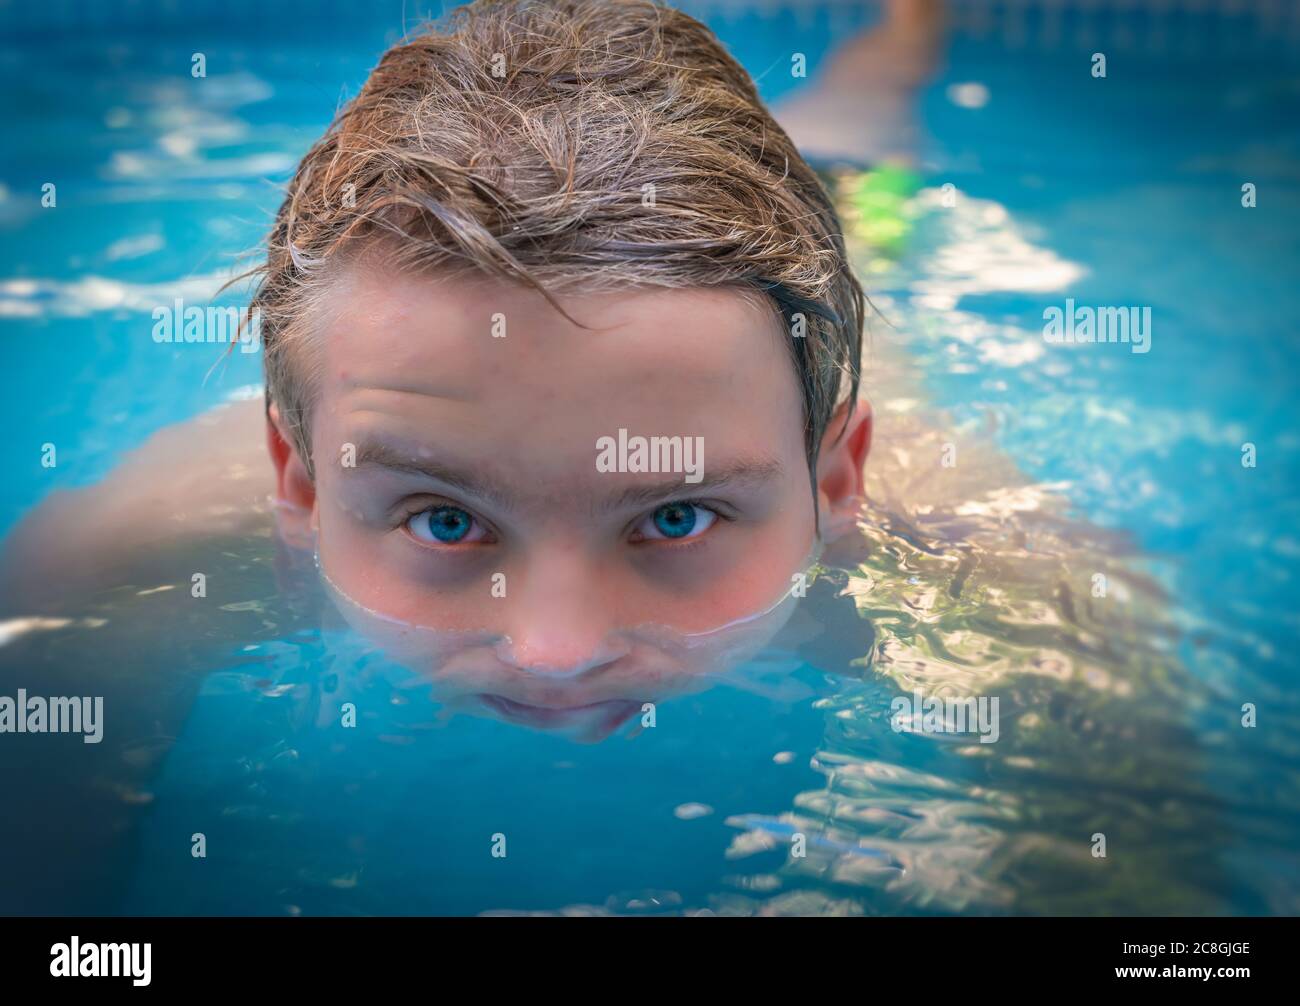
<point x="472" y="328"/>
<point x="414" y="355"/>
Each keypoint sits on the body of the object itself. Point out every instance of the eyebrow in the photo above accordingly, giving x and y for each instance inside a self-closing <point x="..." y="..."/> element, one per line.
<point x="469" y="481"/>
<point x="749" y="470"/>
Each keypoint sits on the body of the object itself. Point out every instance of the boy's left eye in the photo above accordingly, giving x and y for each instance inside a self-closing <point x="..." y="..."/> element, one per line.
<point x="445" y="525"/>
<point x="676" y="521"/>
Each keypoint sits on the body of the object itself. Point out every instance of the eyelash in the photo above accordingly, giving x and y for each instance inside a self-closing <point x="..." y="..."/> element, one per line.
<point x="412" y="510"/>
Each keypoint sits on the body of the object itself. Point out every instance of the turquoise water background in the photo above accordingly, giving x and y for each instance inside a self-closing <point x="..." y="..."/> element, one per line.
<point x="1130" y="186"/>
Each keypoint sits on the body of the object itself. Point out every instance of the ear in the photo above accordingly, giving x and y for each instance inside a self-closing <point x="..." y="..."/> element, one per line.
<point x="840" y="480"/>
<point x="292" y="483"/>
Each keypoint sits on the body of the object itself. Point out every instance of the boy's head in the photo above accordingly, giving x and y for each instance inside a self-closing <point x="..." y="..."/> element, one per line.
<point x="535" y="227"/>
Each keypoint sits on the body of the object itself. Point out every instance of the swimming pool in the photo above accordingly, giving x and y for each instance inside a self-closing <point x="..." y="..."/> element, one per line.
<point x="1121" y="714"/>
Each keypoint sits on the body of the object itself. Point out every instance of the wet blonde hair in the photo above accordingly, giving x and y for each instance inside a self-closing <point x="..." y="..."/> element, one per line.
<point x="589" y="144"/>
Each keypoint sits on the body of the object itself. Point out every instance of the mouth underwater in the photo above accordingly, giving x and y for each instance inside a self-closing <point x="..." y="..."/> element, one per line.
<point x="608" y="714"/>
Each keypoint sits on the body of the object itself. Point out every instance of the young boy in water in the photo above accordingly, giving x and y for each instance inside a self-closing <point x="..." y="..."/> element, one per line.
<point x="553" y="224"/>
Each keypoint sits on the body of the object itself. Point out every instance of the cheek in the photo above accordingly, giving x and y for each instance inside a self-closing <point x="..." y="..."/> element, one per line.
<point x="749" y="574"/>
<point x="346" y="555"/>
<point x="776" y="560"/>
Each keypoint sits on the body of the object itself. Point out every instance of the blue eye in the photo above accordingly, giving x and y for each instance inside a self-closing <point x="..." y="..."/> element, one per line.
<point x="448" y="525"/>
<point x="677" y="520"/>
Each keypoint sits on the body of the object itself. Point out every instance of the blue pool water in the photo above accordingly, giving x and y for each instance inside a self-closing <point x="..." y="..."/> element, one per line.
<point x="1123" y="720"/>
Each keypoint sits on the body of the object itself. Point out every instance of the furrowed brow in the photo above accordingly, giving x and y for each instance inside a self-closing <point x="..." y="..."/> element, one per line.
<point x="465" y="480"/>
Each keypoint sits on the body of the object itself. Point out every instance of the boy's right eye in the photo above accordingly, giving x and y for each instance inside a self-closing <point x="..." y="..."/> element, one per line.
<point x="445" y="525"/>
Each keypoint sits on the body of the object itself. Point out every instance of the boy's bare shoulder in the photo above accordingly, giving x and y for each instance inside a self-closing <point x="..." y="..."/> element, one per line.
<point x="207" y="477"/>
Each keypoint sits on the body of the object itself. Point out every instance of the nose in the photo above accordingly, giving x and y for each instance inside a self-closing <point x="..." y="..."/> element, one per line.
<point x="561" y="628"/>
<point x="550" y="655"/>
